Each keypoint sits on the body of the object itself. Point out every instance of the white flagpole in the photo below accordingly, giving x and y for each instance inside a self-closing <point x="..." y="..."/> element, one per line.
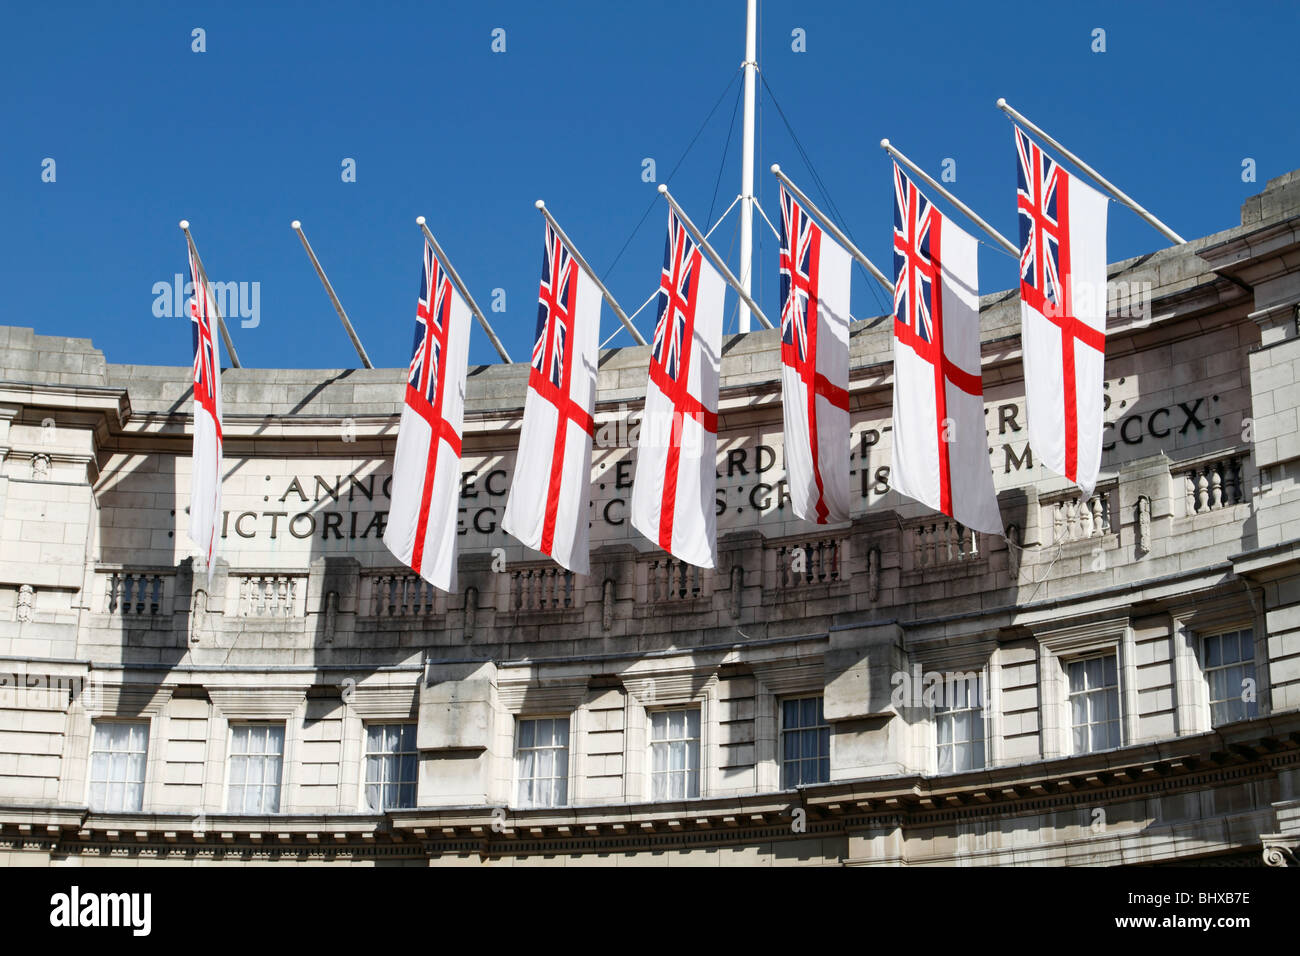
<point x="1097" y="177"/>
<point x="460" y="287"/>
<point x="1000" y="239"/>
<point x="830" y="227"/>
<point x="203" y="277"/>
<point x="714" y="257"/>
<point x="573" y="251"/>
<point x="747" y="162"/>
<point x="329" y="289"/>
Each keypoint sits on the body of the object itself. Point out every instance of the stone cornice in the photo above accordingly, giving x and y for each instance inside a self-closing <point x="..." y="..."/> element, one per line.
<point x="1255" y="750"/>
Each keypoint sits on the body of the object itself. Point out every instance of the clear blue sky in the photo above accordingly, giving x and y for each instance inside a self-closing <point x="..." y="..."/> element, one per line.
<point x="249" y="135"/>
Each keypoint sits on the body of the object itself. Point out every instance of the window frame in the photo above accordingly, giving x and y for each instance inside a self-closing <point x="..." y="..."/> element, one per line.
<point x="1121" y="711"/>
<point x="1200" y="637"/>
<point x="985" y="722"/>
<point x="686" y="708"/>
<point x="362" y="803"/>
<point x="282" y="786"/>
<point x="569" y="761"/>
<point x="781" y="730"/>
<point x="147" y="722"/>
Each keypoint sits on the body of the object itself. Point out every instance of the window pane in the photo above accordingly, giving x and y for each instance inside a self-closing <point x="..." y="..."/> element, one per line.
<point x="659" y="787"/>
<point x="790" y="713"/>
<point x="792" y="745"/>
<point x="1076" y="677"/>
<point x="808" y="712"/>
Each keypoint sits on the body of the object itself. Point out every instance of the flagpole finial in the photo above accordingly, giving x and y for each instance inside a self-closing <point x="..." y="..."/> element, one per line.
<point x="540" y="204"/>
<point x="776" y="167"/>
<point x="185" y="224"/>
<point x="884" y="144"/>
<point x="419" y="220"/>
<point x="1002" y="102"/>
<point x="663" y="187"/>
<point x="295" y="225"/>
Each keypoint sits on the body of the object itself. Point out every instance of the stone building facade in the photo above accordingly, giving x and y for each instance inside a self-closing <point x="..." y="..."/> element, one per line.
<point x="1118" y="681"/>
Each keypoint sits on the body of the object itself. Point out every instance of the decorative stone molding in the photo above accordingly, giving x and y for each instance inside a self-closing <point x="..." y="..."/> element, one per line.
<point x="1055" y="644"/>
<point x="41" y="467"/>
<point x="657" y="687"/>
<point x="383" y="701"/>
<point x="786" y="677"/>
<point x="1280" y="851"/>
<point x="127" y="700"/>
<point x="25" y="605"/>
<point x="607" y="605"/>
<point x="256" y="703"/>
<point x="1014" y="548"/>
<point x="198" y="614"/>
<point x="331" y="615"/>
<point x="522" y="692"/>
<point x="1142" y="539"/>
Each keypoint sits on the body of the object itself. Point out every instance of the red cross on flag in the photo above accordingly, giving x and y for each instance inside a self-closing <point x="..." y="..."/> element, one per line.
<point x="815" y="275"/>
<point x="941" y="453"/>
<point x="205" y="474"/>
<point x="548" y="510"/>
<point x="673" y="491"/>
<point x="422" y="515"/>
<point x="1062" y="312"/>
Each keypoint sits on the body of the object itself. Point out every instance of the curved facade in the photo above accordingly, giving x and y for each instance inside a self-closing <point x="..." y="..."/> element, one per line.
<point x="1118" y="682"/>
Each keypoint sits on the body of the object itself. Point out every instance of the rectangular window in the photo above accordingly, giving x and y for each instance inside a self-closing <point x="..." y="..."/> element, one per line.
<point x="805" y="743"/>
<point x="256" y="759"/>
<point x="391" y="766"/>
<point x="1229" y="664"/>
<point x="674" y="754"/>
<point x="959" y="725"/>
<point x="542" y="762"/>
<point x="117" y="762"/>
<point x="1094" y="703"/>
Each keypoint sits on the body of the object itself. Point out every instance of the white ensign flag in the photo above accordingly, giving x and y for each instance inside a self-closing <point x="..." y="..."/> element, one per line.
<point x="549" y="502"/>
<point x="1062" y="312"/>
<point x="941" y="455"/>
<point x="205" y="466"/>
<point x="815" y="273"/>
<point x="674" y="489"/>
<point x="422" y="514"/>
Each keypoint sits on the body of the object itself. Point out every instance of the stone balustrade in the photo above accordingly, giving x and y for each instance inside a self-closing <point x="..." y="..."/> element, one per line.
<point x="1073" y="516"/>
<point x="542" y="588"/>
<point x="815" y="561"/>
<point x="935" y="543"/>
<point x="398" y="593"/>
<point x="669" y="580"/>
<point x="1212" y="485"/>
<point x="137" y="593"/>
<point x="269" y="594"/>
